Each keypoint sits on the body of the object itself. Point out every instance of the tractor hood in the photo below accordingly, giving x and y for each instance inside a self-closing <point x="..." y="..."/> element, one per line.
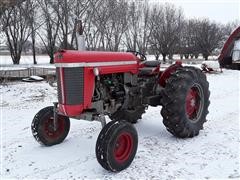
<point x="71" y="56"/>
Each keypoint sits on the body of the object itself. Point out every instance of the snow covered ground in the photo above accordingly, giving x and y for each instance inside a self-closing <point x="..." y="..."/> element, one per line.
<point x="212" y="154"/>
<point x="25" y="59"/>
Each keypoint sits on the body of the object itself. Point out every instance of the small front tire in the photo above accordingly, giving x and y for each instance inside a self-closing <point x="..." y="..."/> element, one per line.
<point x="116" y="145"/>
<point x="43" y="127"/>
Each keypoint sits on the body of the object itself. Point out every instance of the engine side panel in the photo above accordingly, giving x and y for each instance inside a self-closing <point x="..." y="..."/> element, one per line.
<point x="76" y="78"/>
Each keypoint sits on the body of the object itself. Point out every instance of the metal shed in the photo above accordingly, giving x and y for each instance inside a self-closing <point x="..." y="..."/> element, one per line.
<point x="230" y="54"/>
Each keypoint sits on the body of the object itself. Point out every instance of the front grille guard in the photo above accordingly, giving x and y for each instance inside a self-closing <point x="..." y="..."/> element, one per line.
<point x="70" y="85"/>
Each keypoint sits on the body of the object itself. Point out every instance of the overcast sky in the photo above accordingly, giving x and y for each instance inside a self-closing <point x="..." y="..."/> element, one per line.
<point x="219" y="10"/>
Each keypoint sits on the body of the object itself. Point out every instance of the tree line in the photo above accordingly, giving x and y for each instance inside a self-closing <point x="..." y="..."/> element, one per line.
<point x="110" y="25"/>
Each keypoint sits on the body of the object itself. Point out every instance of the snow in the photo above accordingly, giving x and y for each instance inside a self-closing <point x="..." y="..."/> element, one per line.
<point x="25" y="59"/>
<point x="12" y="68"/>
<point x="212" y="154"/>
<point x="26" y="63"/>
<point x="212" y="64"/>
<point x="36" y="78"/>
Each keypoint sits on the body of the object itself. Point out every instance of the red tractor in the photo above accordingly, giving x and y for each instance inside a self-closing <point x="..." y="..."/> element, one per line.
<point x="121" y="85"/>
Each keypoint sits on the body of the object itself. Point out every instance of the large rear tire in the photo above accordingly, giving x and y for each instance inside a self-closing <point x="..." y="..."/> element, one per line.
<point x="116" y="145"/>
<point x="185" y="102"/>
<point x="43" y="127"/>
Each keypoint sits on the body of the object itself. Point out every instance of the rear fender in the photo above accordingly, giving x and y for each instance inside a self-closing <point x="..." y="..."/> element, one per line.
<point x="167" y="73"/>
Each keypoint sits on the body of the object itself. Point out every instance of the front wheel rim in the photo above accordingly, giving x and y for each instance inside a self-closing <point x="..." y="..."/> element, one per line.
<point x="48" y="128"/>
<point x="123" y="147"/>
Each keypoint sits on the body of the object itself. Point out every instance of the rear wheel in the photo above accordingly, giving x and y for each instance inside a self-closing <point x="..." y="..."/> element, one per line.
<point x="185" y="102"/>
<point x="116" y="145"/>
<point x="43" y="127"/>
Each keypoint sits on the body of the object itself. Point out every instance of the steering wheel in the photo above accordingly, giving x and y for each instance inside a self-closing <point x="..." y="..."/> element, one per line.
<point x="138" y="54"/>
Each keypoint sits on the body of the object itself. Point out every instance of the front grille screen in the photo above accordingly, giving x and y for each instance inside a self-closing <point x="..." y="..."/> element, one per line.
<point x="73" y="80"/>
<point x="59" y="85"/>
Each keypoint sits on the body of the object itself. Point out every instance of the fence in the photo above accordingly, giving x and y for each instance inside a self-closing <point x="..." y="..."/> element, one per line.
<point x="18" y="72"/>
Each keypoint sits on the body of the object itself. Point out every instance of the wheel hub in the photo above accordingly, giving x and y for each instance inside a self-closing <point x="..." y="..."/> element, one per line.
<point x="194" y="103"/>
<point x="123" y="147"/>
<point x="49" y="131"/>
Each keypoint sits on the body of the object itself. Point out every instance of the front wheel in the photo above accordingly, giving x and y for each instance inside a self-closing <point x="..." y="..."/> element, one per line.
<point x="43" y="127"/>
<point x="185" y="102"/>
<point x="116" y="145"/>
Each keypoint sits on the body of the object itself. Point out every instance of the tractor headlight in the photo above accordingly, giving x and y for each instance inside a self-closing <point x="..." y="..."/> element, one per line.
<point x="96" y="71"/>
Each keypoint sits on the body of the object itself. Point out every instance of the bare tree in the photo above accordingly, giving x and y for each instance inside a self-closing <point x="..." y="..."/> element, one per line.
<point x="15" y="25"/>
<point x="2" y="41"/>
<point x="145" y="30"/>
<point x="50" y="29"/>
<point x="68" y="12"/>
<point x="134" y="18"/>
<point x="33" y="25"/>
<point x="230" y="27"/>
<point x="208" y="36"/>
<point x="98" y="19"/>
<point x="187" y="44"/>
<point x="93" y="28"/>
<point x="138" y="31"/>
<point x="106" y="24"/>
<point x="80" y="10"/>
<point x="116" y="24"/>
<point x="166" y="23"/>
<point x="64" y="11"/>
<point x="5" y="4"/>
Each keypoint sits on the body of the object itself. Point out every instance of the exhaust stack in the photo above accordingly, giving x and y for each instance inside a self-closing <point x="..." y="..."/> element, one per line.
<point x="80" y="36"/>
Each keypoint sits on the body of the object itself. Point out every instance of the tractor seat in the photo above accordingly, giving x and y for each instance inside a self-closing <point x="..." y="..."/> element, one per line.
<point x="147" y="71"/>
<point x="151" y="63"/>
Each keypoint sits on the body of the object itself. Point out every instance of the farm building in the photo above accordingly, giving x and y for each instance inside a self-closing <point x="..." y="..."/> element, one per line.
<point x="230" y="54"/>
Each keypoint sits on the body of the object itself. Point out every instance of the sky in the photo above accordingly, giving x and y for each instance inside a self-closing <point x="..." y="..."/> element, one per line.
<point x="222" y="11"/>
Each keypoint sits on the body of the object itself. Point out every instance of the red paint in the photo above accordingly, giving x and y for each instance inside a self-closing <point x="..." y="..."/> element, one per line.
<point x="89" y="83"/>
<point x="70" y="56"/>
<point x="179" y="62"/>
<point x="192" y="103"/>
<point x="132" y="68"/>
<point x="167" y="73"/>
<point x="70" y="110"/>
<point x="229" y="43"/>
<point x="123" y="147"/>
<point x="156" y="70"/>
<point x="48" y="128"/>
<point x="62" y="85"/>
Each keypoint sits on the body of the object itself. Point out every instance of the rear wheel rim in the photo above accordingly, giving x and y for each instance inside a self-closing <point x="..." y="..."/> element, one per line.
<point x="123" y="147"/>
<point x="48" y="128"/>
<point x="194" y="103"/>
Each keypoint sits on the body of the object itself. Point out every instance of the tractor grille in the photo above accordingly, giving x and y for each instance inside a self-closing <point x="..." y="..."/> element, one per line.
<point x="59" y="90"/>
<point x="73" y="80"/>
